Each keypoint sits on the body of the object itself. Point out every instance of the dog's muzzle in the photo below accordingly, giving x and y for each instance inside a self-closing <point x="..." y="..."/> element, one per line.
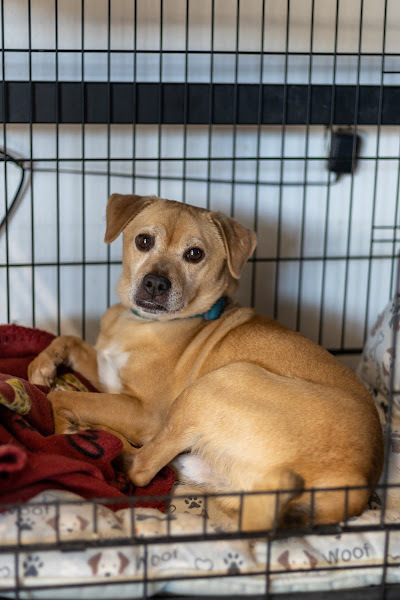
<point x="153" y="292"/>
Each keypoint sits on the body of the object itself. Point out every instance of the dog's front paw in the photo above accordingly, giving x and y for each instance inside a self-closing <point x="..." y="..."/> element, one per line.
<point x="42" y="370"/>
<point x="131" y="463"/>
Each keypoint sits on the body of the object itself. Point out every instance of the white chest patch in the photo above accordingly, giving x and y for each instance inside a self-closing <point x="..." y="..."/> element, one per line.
<point x="109" y="362"/>
<point x="192" y="468"/>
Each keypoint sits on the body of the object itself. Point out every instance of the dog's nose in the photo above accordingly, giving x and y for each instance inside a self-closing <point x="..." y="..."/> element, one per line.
<point x="155" y="285"/>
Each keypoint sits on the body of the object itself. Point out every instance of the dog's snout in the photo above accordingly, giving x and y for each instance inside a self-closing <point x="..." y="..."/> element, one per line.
<point x="156" y="285"/>
<point x="153" y="293"/>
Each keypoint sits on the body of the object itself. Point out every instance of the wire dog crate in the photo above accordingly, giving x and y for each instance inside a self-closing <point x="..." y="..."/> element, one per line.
<point x="282" y="114"/>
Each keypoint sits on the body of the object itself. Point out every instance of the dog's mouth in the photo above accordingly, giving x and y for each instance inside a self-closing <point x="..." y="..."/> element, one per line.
<point x="150" y="306"/>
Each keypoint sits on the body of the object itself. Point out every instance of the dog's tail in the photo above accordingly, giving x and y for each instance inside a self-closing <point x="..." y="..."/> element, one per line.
<point x="267" y="511"/>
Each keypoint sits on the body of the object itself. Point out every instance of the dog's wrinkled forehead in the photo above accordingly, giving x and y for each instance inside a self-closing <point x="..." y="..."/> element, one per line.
<point x="176" y="226"/>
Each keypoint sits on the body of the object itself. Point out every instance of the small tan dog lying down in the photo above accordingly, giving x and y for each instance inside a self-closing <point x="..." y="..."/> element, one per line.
<point x="248" y="404"/>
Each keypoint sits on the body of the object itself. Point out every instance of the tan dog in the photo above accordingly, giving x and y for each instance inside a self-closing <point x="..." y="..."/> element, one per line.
<point x="258" y="406"/>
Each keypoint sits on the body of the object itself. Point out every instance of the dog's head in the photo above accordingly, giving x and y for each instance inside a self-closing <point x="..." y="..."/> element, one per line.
<point x="177" y="259"/>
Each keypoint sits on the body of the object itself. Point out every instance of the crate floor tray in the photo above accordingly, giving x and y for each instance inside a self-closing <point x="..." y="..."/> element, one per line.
<point x="60" y="546"/>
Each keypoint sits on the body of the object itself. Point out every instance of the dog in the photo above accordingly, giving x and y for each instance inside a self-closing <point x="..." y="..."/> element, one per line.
<point x="238" y="400"/>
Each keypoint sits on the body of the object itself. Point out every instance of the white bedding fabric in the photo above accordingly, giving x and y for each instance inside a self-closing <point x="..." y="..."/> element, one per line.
<point x="125" y="564"/>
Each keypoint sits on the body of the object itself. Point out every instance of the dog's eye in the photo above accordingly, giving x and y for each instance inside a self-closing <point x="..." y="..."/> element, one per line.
<point x="144" y="241"/>
<point x="194" y="255"/>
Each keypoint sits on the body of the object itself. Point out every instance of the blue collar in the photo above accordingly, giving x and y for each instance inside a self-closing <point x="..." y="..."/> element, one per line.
<point x="210" y="315"/>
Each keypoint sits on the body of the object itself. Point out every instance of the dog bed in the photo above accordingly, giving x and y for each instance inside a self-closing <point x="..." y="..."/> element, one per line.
<point x="58" y="538"/>
<point x="224" y="566"/>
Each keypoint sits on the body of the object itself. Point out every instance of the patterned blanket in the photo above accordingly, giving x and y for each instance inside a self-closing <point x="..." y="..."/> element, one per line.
<point x="32" y="458"/>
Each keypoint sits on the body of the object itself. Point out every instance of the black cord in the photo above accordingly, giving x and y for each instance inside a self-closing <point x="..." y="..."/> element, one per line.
<point x="170" y="178"/>
<point x="19" y="163"/>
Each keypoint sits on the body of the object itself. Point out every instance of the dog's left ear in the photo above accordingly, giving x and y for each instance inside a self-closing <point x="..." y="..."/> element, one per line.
<point x="239" y="242"/>
<point x="94" y="563"/>
<point x="121" y="209"/>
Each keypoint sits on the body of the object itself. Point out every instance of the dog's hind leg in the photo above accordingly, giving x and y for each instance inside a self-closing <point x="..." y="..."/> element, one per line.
<point x="177" y="433"/>
<point x="333" y="500"/>
<point x="266" y="511"/>
<point x="143" y="464"/>
<point x="255" y="510"/>
<point x="183" y="430"/>
<point x="264" y="506"/>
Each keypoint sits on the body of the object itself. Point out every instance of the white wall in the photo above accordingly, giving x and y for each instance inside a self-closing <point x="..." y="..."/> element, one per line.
<point x="344" y="236"/>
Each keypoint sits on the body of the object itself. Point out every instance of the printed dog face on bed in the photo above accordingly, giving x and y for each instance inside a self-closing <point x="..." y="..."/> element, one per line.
<point x="177" y="259"/>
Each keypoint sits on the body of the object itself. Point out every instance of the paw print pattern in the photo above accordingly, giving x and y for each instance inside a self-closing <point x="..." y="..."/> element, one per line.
<point x="374" y="502"/>
<point x="31" y="565"/>
<point x="170" y="509"/>
<point x="193" y="502"/>
<point x="233" y="563"/>
<point x="25" y="524"/>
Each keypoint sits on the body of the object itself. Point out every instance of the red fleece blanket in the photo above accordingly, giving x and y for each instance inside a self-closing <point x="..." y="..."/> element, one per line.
<point x="32" y="458"/>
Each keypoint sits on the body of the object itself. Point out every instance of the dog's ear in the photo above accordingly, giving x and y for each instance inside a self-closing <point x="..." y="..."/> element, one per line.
<point x="312" y="560"/>
<point x="121" y="209"/>
<point x="239" y="242"/>
<point x="283" y="559"/>
<point x="83" y="523"/>
<point x="94" y="562"/>
<point x="53" y="523"/>
<point x="124" y="562"/>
